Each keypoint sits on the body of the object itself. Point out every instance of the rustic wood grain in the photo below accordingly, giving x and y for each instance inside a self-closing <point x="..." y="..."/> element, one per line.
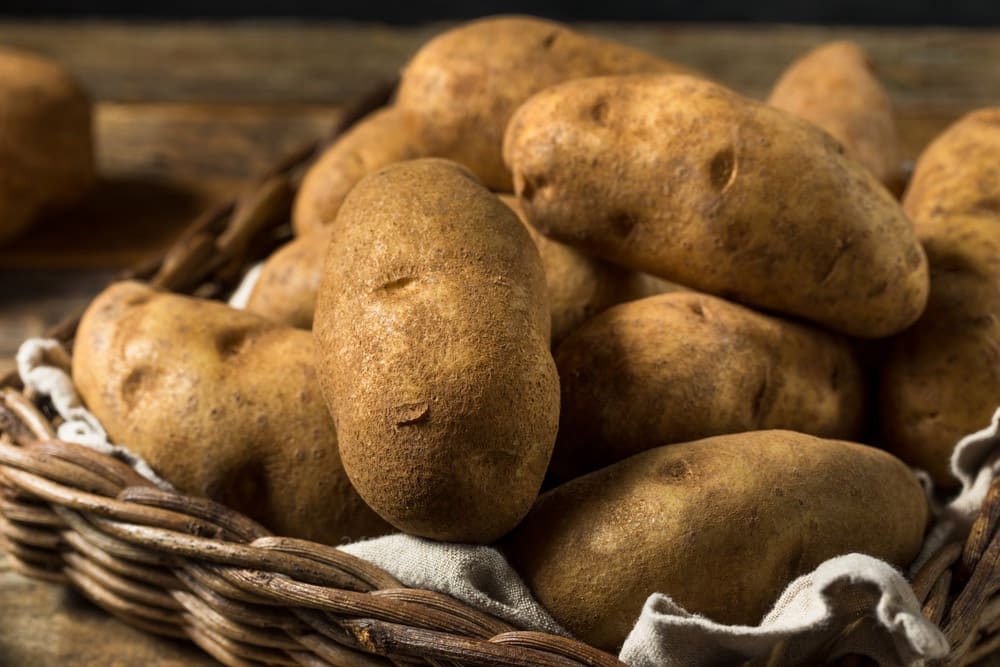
<point x="48" y="626"/>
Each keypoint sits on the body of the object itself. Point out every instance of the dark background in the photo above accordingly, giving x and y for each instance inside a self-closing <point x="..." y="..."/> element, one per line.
<point x="861" y="12"/>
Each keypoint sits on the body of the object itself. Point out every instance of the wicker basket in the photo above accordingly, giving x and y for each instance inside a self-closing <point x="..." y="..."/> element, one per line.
<point x="186" y="567"/>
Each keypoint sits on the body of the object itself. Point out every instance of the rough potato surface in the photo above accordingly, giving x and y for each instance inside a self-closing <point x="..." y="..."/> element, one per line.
<point x="433" y="334"/>
<point x="468" y="81"/>
<point x="721" y="525"/>
<point x="683" y="366"/>
<point x="686" y="180"/>
<point x="286" y="288"/>
<point x="381" y="138"/>
<point x="580" y="286"/>
<point x="941" y="378"/>
<point x="223" y="404"/>
<point x="835" y="86"/>
<point x="46" y="144"/>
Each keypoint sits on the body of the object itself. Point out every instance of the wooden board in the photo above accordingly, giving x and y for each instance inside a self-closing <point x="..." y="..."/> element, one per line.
<point x="188" y="112"/>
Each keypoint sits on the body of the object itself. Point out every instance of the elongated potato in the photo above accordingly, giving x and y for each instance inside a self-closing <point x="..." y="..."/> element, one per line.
<point x="835" y="87"/>
<point x="223" y="404"/>
<point x="686" y="180"/>
<point x="682" y="366"/>
<point x="721" y="525"/>
<point x="381" y="138"/>
<point x="46" y="140"/>
<point x="468" y="81"/>
<point x="433" y="337"/>
<point x="285" y="291"/>
<point x="581" y="286"/>
<point x="941" y="378"/>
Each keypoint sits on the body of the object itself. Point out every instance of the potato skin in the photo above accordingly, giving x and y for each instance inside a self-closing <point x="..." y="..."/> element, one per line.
<point x="222" y="403"/>
<point x="381" y="138"/>
<point x="683" y="366"/>
<point x="940" y="379"/>
<point x="433" y="338"/>
<point x="721" y="525"/>
<point x="285" y="291"/>
<point x="46" y="143"/>
<point x="469" y="80"/>
<point x="835" y="87"/>
<point x="580" y="286"/>
<point x="733" y="198"/>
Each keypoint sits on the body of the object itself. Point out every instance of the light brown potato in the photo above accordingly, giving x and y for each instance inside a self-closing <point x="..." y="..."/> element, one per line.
<point x="46" y="145"/>
<point x="381" y="138"/>
<point x="469" y="80"/>
<point x="285" y="291"/>
<point x="941" y="378"/>
<point x="683" y="366"/>
<point x="223" y="404"/>
<point x="681" y="178"/>
<point x="720" y="525"/>
<point x="581" y="286"/>
<point x="433" y="336"/>
<point x="835" y="86"/>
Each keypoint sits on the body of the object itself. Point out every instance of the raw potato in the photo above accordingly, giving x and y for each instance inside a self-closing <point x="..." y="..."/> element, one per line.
<point x="720" y="525"/>
<point x="682" y="366"/>
<point x="468" y="81"/>
<point x="46" y="150"/>
<point x="686" y="180"/>
<point x="835" y="87"/>
<point x="222" y="403"/>
<point x="385" y="136"/>
<point x="581" y="286"/>
<point x="285" y="291"/>
<point x="433" y="337"/>
<point x="941" y="378"/>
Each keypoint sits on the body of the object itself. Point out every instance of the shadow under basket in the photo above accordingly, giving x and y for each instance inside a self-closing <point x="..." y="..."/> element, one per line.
<point x="187" y="567"/>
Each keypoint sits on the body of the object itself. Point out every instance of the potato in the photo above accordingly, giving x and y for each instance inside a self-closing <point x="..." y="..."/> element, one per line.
<point x="682" y="366"/>
<point x="285" y="291"/>
<point x="688" y="181"/>
<point x="381" y="138"/>
<point x="222" y="403"/>
<point x="958" y="172"/>
<point x="46" y="147"/>
<point x="468" y="81"/>
<point x="433" y="336"/>
<point x="835" y="87"/>
<point x="940" y="379"/>
<point x="721" y="525"/>
<point x="581" y="286"/>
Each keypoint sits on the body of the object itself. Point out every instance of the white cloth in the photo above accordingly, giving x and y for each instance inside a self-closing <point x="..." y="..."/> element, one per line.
<point x="975" y="463"/>
<point x="241" y="296"/>
<point x="44" y="368"/>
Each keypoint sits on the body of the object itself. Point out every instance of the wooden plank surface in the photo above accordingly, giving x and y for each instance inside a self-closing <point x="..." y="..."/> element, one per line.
<point x="186" y="113"/>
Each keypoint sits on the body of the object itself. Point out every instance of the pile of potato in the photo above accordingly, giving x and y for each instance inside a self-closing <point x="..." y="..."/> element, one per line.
<point x="559" y="263"/>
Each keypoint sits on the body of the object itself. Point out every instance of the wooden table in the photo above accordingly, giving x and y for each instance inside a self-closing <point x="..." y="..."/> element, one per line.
<point x="186" y="113"/>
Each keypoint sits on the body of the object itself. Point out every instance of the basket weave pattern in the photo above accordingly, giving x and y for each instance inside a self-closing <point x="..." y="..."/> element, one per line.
<point x="187" y="567"/>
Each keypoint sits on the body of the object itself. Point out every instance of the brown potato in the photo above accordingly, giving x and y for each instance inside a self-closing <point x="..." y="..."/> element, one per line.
<point x="222" y="403"/>
<point x="835" y="87"/>
<point x="433" y="337"/>
<point x="468" y="81"/>
<point x="720" y="525"/>
<point x="732" y="197"/>
<point x="285" y="291"/>
<point x="682" y="366"/>
<point x="940" y="379"/>
<point x="46" y="145"/>
<point x="581" y="286"/>
<point x="381" y="138"/>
